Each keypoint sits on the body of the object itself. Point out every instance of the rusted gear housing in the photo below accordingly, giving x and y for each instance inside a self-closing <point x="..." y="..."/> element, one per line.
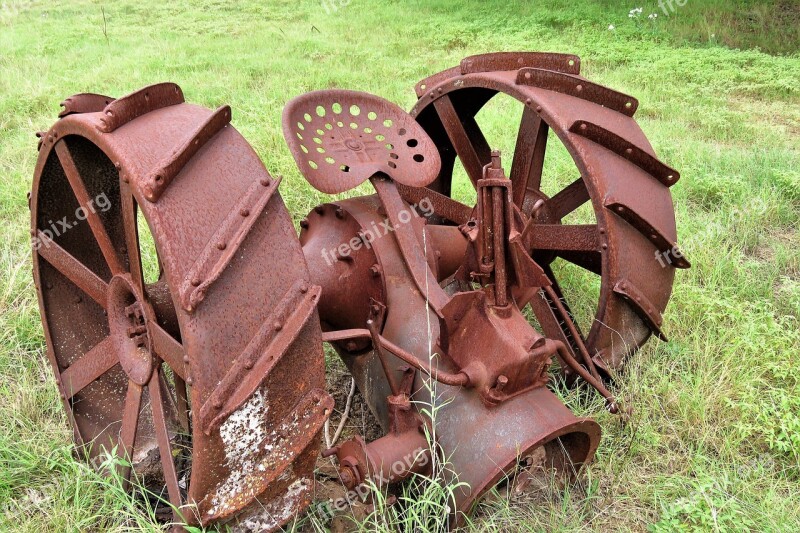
<point x="200" y="363"/>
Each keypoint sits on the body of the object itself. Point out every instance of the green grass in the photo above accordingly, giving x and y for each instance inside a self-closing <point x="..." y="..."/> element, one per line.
<point x="714" y="442"/>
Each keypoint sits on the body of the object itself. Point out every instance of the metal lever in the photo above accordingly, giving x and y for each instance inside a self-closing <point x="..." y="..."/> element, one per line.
<point x="495" y="223"/>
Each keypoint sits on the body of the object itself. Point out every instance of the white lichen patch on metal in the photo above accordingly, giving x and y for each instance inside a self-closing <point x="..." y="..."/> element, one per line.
<point x="269" y="516"/>
<point x="265" y="457"/>
<point x="242" y="434"/>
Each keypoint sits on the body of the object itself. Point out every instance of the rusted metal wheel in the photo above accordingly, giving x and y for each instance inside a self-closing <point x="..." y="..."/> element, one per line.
<point x="232" y="315"/>
<point x="629" y="244"/>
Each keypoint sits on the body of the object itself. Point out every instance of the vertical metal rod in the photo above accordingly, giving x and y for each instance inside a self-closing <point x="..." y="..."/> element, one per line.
<point x="573" y="331"/>
<point x="498" y="224"/>
<point x="488" y="248"/>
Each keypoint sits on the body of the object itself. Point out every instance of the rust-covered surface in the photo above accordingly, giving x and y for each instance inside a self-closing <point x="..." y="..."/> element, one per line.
<point x="215" y="368"/>
<point x="615" y="164"/>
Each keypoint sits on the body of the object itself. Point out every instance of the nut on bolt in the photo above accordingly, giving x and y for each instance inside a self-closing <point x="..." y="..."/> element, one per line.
<point x="346" y="477"/>
<point x="502" y="381"/>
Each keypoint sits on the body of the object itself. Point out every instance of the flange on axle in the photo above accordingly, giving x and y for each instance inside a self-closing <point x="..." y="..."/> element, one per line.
<point x="200" y="362"/>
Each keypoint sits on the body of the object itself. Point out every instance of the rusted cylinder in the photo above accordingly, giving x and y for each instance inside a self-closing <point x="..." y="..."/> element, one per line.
<point x="341" y="260"/>
<point x="396" y="457"/>
<point x="449" y="246"/>
<point x="340" y="254"/>
<point x="391" y="459"/>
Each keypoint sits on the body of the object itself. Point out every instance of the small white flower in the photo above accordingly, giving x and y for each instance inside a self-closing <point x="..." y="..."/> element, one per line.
<point x="611" y="27"/>
<point x="652" y="16"/>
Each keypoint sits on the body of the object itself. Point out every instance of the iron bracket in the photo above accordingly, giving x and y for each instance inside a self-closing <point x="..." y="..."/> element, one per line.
<point x="158" y="181"/>
<point x="123" y="110"/>
<point x="578" y="87"/>
<point x="220" y="250"/>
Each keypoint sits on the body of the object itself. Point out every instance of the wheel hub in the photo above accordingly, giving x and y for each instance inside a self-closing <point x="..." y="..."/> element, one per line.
<point x="128" y="316"/>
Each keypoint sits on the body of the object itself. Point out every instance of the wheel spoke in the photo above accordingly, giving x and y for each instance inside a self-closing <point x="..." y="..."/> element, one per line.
<point x="182" y="403"/>
<point x="526" y="168"/>
<point x="568" y="200"/>
<point x="91" y="366"/>
<point x="569" y="319"/>
<point x="591" y="261"/>
<point x="558" y="237"/>
<point x="563" y="303"/>
<point x="85" y="201"/>
<point x="167" y="349"/>
<point x="466" y="137"/>
<point x="130" y="423"/>
<point x="550" y="317"/>
<point x="128" y="204"/>
<point x="551" y="322"/>
<point x="162" y="435"/>
<point x="73" y="270"/>
<point x="443" y="206"/>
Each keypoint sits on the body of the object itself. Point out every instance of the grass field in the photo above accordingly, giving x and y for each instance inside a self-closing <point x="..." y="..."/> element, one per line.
<point x="714" y="441"/>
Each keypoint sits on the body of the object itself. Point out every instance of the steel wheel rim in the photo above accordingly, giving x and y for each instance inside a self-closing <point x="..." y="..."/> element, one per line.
<point x="143" y="393"/>
<point x="458" y="95"/>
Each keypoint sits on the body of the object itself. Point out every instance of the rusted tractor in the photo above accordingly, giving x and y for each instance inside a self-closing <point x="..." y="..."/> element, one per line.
<point x="203" y="369"/>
